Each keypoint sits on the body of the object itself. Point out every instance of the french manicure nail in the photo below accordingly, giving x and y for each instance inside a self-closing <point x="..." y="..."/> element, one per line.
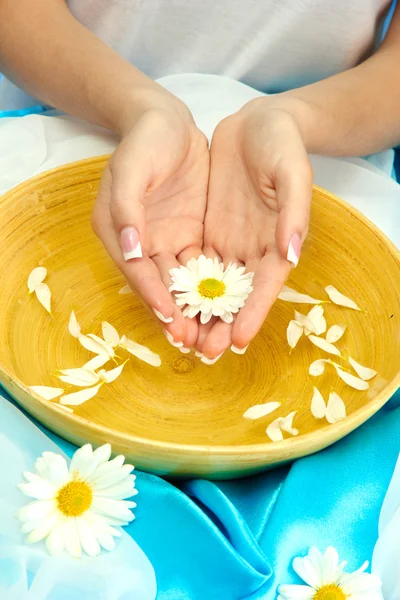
<point x="210" y="361"/>
<point x="198" y="354"/>
<point x="171" y="340"/>
<point x="294" y="249"/>
<point x="161" y="316"/>
<point x="184" y="350"/>
<point x="130" y="243"/>
<point x="237" y="350"/>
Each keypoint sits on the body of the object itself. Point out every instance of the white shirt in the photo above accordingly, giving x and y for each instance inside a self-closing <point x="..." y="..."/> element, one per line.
<point x="271" y="45"/>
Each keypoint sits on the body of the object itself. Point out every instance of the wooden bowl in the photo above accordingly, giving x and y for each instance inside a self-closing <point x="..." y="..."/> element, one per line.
<point x="185" y="418"/>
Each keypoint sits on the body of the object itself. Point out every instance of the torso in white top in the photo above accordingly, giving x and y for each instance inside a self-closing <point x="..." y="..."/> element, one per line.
<point x="271" y="45"/>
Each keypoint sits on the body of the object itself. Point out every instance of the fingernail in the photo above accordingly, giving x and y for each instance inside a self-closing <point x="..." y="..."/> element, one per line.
<point x="161" y="316"/>
<point x="294" y="249"/>
<point x="210" y="361"/>
<point x="130" y="243"/>
<point x="198" y="354"/>
<point x="172" y="341"/>
<point x="237" y="350"/>
<point x="184" y="350"/>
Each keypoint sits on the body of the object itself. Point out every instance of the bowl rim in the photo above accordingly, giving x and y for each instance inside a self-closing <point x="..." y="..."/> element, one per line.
<point x="296" y="444"/>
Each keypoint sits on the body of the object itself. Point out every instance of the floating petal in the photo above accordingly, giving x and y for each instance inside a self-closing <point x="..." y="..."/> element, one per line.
<point x="286" y="424"/>
<point x="110" y="376"/>
<point x="318" y="406"/>
<point x="337" y="298"/>
<point x="73" y="326"/>
<point x="289" y="295"/>
<point x="316" y="316"/>
<point x="46" y="392"/>
<point x="43" y="294"/>
<point x="317" y="367"/>
<point x="335" y="332"/>
<point x="95" y="363"/>
<point x="110" y="334"/>
<point x="363" y="372"/>
<point x="107" y="348"/>
<point x="93" y="345"/>
<point x="305" y="322"/>
<point x="79" y="377"/>
<point x="324" y="345"/>
<point x="36" y="277"/>
<point x="294" y="333"/>
<point x="274" y="432"/>
<point x="80" y="397"/>
<point x="261" y="410"/>
<point x="141" y="352"/>
<point x="125" y="290"/>
<point x="350" y="379"/>
<point x="336" y="409"/>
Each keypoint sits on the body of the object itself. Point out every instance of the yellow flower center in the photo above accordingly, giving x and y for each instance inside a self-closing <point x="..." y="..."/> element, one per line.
<point x="74" y="498"/>
<point x="211" y="288"/>
<point x="330" y="592"/>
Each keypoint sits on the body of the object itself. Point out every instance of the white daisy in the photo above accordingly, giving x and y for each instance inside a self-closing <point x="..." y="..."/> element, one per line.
<point x="78" y="508"/>
<point x="326" y="579"/>
<point x="204" y="286"/>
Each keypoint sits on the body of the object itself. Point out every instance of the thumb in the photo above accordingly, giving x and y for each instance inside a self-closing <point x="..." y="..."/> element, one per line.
<point x="129" y="184"/>
<point x="294" y="193"/>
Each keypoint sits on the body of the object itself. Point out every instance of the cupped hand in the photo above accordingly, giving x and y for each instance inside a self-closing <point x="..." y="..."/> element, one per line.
<point x="150" y="209"/>
<point x="258" y="211"/>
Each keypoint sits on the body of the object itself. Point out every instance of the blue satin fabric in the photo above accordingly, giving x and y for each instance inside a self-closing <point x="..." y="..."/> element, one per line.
<point x="236" y="540"/>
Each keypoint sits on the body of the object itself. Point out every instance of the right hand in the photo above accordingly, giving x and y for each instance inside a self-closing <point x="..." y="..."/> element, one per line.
<point x="154" y="191"/>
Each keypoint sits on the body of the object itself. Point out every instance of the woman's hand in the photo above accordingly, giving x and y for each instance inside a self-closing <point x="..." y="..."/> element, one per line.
<point x="149" y="212"/>
<point x="257" y="212"/>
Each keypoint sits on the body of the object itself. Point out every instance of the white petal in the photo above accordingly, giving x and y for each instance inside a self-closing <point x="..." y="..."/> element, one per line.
<point x="337" y="298"/>
<point x="79" y="377"/>
<point x="55" y="542"/>
<point x="46" y="392"/>
<point x="110" y="376"/>
<point x="40" y="491"/>
<point x="95" y="363"/>
<point x="260" y="410"/>
<point x="110" y="334"/>
<point x="92" y="345"/>
<point x="295" y="592"/>
<point x="106" y="541"/>
<point x="73" y="326"/>
<point x="317" y="367"/>
<point x="36" y="510"/>
<point x="274" y="432"/>
<point x="363" y="372"/>
<point x="316" y="316"/>
<point x="107" y="348"/>
<point x="324" y="345"/>
<point x="53" y="467"/>
<point x="205" y="317"/>
<point x="125" y="290"/>
<point x="308" y="571"/>
<point x="72" y="542"/>
<point x="113" y="508"/>
<point x="335" y="332"/>
<point x="82" y="462"/>
<point x="36" y="277"/>
<point x="80" y="397"/>
<point x="351" y="380"/>
<point x="102" y="454"/>
<point x="287" y="422"/>
<point x="305" y="322"/>
<point x="293" y="333"/>
<point x="142" y="352"/>
<point x="289" y="295"/>
<point x="336" y="409"/>
<point x="318" y="406"/>
<point x="43" y="294"/>
<point x="87" y="537"/>
<point x="330" y="563"/>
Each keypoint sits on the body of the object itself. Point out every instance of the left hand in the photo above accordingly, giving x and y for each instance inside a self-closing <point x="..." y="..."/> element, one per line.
<point x="258" y="210"/>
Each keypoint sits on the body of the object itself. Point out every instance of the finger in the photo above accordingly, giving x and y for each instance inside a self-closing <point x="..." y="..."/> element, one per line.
<point x="218" y="339"/>
<point x="204" y="330"/>
<point x="142" y="274"/>
<point x="269" y="277"/>
<point x="294" y="192"/>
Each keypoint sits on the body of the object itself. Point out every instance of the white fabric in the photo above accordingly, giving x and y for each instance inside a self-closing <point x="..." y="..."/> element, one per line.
<point x="270" y="45"/>
<point x="33" y="144"/>
<point x="29" y="572"/>
<point x="386" y="557"/>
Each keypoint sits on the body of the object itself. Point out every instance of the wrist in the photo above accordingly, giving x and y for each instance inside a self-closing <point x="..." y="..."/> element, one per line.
<point x="153" y="97"/>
